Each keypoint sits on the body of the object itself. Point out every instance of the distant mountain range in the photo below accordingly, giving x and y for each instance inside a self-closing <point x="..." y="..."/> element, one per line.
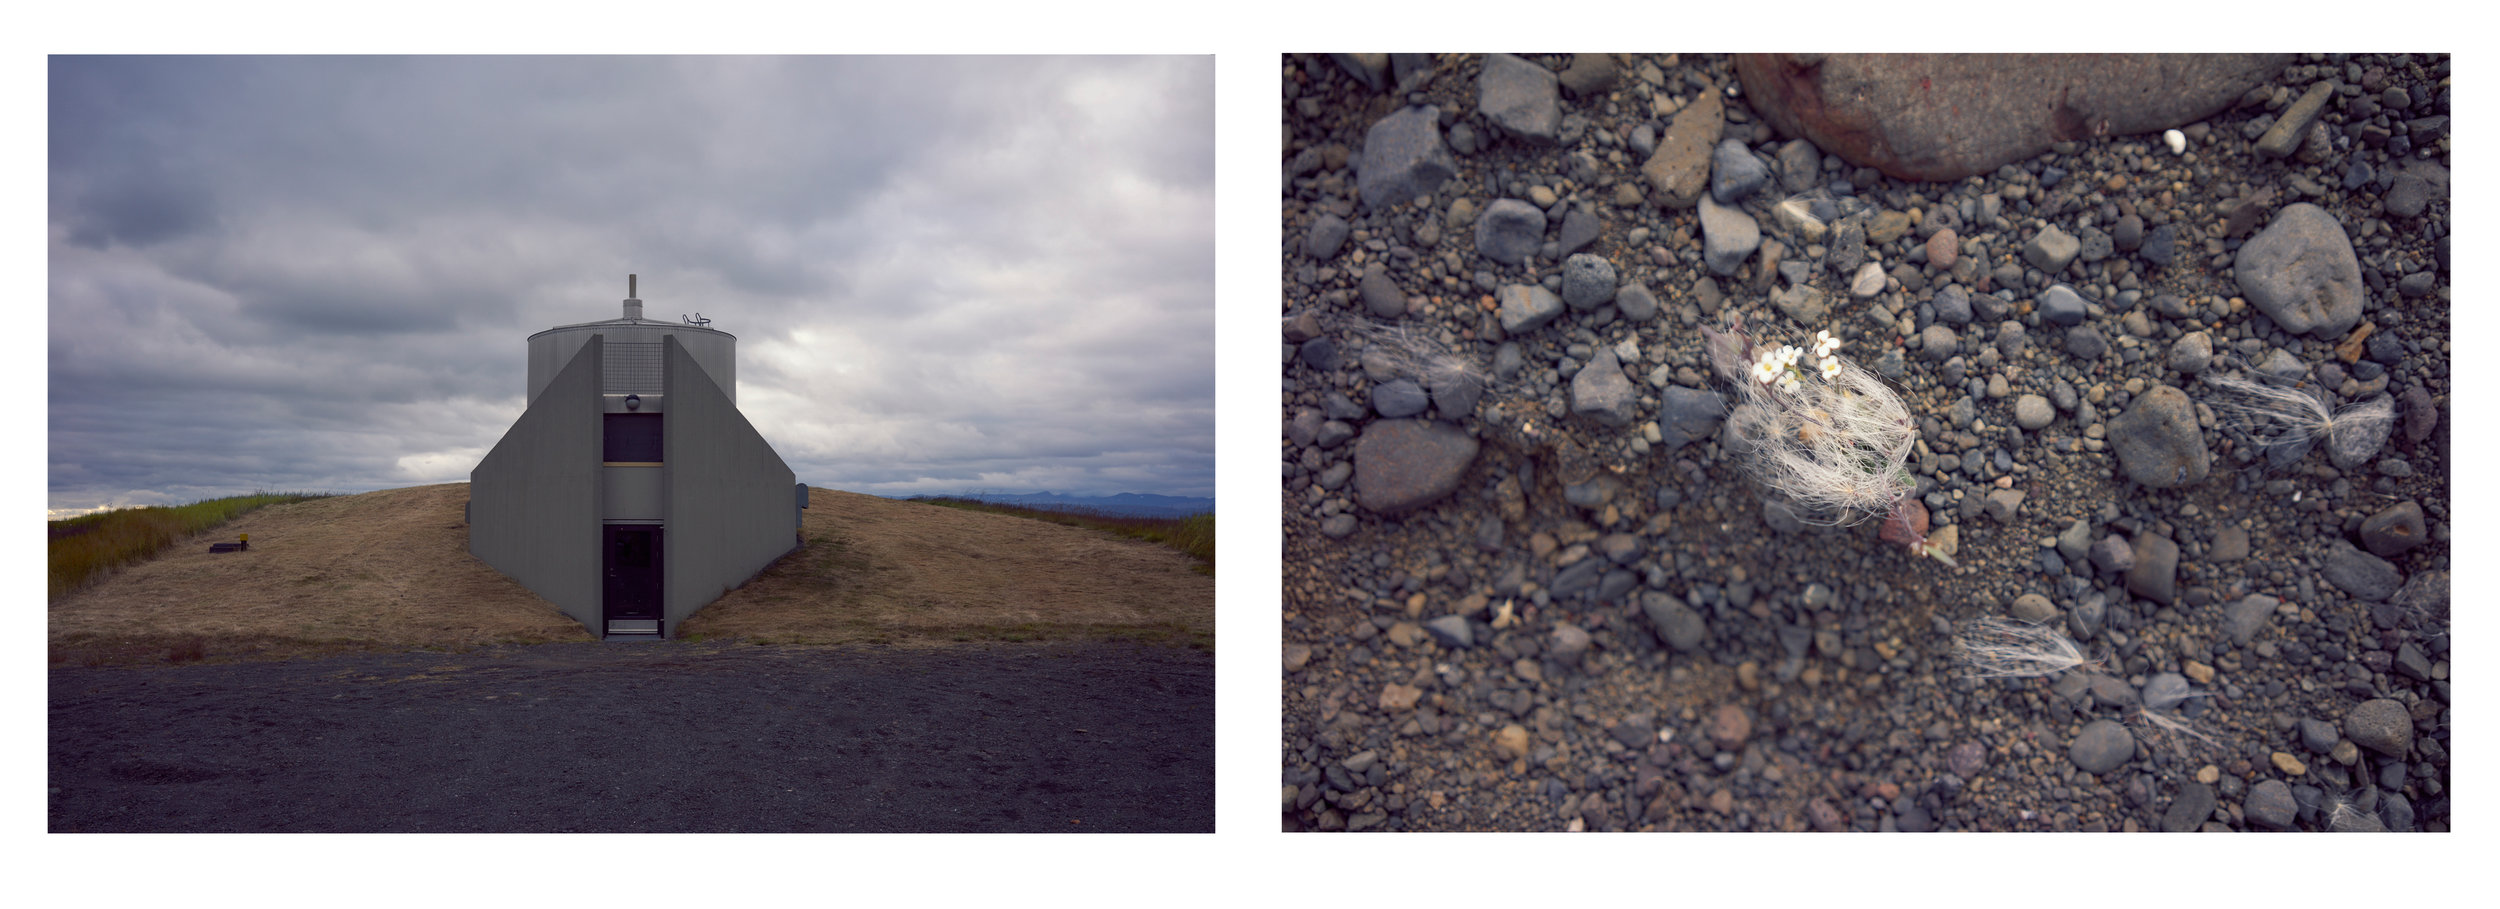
<point x="1126" y="503"/>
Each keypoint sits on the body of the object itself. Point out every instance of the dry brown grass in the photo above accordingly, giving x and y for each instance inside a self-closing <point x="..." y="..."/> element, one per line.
<point x="391" y="570"/>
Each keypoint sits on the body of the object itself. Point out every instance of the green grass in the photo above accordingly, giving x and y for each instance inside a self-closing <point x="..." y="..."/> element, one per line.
<point x="84" y="548"/>
<point x="1193" y="536"/>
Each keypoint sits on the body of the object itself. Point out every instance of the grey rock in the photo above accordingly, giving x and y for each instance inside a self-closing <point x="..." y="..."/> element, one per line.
<point x="2421" y="413"/>
<point x="1868" y="282"/>
<point x="2354" y="443"/>
<point x="1334" y="433"/>
<point x="1676" y="624"/>
<point x="2156" y="573"/>
<point x="2128" y="233"/>
<point x="2193" y="807"/>
<point x="1327" y="236"/>
<point x="2002" y="504"/>
<point x="1337" y="526"/>
<point x="2166" y="690"/>
<point x="1729" y="235"/>
<point x="2158" y="442"/>
<point x="1509" y="231"/>
<point x="2062" y="306"/>
<point x="2050" y="250"/>
<point x="1579" y="229"/>
<point x="1636" y="303"/>
<point x="1370" y="69"/>
<point x="2074" y="543"/>
<point x="1803" y="304"/>
<point x="2113" y="554"/>
<point x="1588" y="282"/>
<point x="1381" y="296"/>
<point x="2248" y="615"/>
<point x="1568" y="643"/>
<point x="2084" y="342"/>
<point x="1687" y="415"/>
<point x="2319" y="735"/>
<point x="1399" y="398"/>
<point x="2032" y="412"/>
<point x="2192" y="353"/>
<point x="2359" y="573"/>
<point x="1455" y="393"/>
<point x="2409" y="196"/>
<point x="2160" y="246"/>
<point x="1319" y="354"/>
<point x="1848" y="248"/>
<point x="2230" y="545"/>
<point x="1938" y="343"/>
<point x="1452" y="631"/>
<point x="2284" y="137"/>
<point x="1401" y="465"/>
<point x="2381" y="725"/>
<point x="1953" y="305"/>
<point x="2101" y="747"/>
<point x="1601" y="393"/>
<point x="1519" y="96"/>
<point x="1403" y="159"/>
<point x="2270" y="805"/>
<point x="1526" y="308"/>
<point x="1679" y="171"/>
<point x="2300" y="271"/>
<point x="2034" y="608"/>
<point x="1589" y="74"/>
<point x="1303" y="428"/>
<point x="1801" y="166"/>
<point x="1735" y="173"/>
<point x="2394" y="529"/>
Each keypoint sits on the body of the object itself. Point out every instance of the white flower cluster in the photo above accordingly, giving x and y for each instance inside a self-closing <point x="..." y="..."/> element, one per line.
<point x="1779" y="367"/>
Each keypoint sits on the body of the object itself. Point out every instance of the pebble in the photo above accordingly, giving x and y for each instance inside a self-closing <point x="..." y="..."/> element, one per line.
<point x="1869" y="280"/>
<point x="2193" y="807"/>
<point x="1520" y="97"/>
<point x="1401" y="465"/>
<point x="2248" y="615"/>
<point x="1327" y="236"/>
<point x="2101" y="747"/>
<point x="2300" y="271"/>
<point x="1953" y="304"/>
<point x="2160" y="246"/>
<point x="1688" y="415"/>
<point x="2034" y="608"/>
<point x="1399" y="398"/>
<point x="2156" y="572"/>
<point x="2062" y="306"/>
<point x="2359" y="573"/>
<point x="1729" y="236"/>
<point x="2192" y="353"/>
<point x="2356" y="440"/>
<point x="1509" y="231"/>
<point x="2270" y="805"/>
<point x="1511" y="742"/>
<point x="2381" y="725"/>
<point x="1526" y="308"/>
<point x="1676" y="624"/>
<point x="1381" y="296"/>
<point x="2291" y="766"/>
<point x="1944" y="249"/>
<point x="2394" y="530"/>
<point x="1729" y="727"/>
<point x="1636" y="303"/>
<point x="1601" y="393"/>
<point x="2165" y="690"/>
<point x="2051" y="249"/>
<point x="2113" y="555"/>
<point x="1735" y="173"/>
<point x="1588" y="282"/>
<point x="2158" y="441"/>
<point x="1403" y="158"/>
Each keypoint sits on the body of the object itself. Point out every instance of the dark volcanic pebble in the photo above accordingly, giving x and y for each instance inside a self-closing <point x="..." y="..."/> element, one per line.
<point x="1400" y="465"/>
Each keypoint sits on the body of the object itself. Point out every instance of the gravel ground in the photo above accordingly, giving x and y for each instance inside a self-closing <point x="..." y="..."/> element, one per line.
<point x="657" y="737"/>
<point x="1598" y="629"/>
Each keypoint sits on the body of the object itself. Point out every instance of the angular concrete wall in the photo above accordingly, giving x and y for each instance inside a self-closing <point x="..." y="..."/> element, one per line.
<point x="730" y="497"/>
<point x="534" y="501"/>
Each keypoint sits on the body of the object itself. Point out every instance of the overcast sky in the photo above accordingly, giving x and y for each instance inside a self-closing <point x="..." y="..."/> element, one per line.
<point x="944" y="274"/>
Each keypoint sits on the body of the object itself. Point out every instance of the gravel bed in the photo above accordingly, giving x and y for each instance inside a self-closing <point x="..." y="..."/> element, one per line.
<point x="1527" y="587"/>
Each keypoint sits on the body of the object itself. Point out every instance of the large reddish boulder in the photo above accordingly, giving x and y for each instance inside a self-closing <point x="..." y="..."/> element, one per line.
<point x="1947" y="116"/>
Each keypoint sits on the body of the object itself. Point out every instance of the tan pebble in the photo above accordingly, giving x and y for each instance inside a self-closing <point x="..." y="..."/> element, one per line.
<point x="1400" y="698"/>
<point x="2289" y="764"/>
<point x="2198" y="672"/>
<point x="1512" y="741"/>
<point x="1749" y="675"/>
<point x="2209" y="774"/>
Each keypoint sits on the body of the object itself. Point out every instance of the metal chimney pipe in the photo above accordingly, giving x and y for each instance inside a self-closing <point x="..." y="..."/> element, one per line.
<point x="633" y="305"/>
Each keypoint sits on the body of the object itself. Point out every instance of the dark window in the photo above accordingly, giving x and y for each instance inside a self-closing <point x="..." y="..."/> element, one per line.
<point x="633" y="437"/>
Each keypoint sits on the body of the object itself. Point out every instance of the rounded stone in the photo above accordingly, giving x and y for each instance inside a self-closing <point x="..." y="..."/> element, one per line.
<point x="1509" y="231"/>
<point x="1400" y="465"/>
<point x="2101" y="747"/>
<point x="2381" y="725"/>
<point x="2033" y="411"/>
<point x="1588" y="281"/>
<point x="2301" y="272"/>
<point x="2159" y="444"/>
<point x="2192" y="352"/>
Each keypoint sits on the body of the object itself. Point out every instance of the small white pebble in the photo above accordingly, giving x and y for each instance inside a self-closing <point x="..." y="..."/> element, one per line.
<point x="2177" y="141"/>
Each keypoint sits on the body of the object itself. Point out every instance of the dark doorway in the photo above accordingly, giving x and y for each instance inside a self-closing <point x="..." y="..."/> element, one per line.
<point x="633" y="579"/>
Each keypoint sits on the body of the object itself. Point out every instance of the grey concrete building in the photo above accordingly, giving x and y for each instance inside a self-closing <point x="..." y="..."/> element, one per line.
<point x="632" y="492"/>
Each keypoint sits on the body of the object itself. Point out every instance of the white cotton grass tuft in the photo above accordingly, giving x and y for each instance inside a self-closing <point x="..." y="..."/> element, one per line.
<point x="2178" y="729"/>
<point x="1404" y="351"/>
<point x="1832" y="438"/>
<point x="2276" y="416"/>
<point x="1995" y="648"/>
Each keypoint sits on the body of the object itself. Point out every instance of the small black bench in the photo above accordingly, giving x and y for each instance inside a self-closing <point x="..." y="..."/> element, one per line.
<point x="229" y="547"/>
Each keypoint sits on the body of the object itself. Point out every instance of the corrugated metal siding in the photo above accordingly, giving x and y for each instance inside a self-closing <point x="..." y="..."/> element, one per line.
<point x="729" y="494"/>
<point x="535" y="500"/>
